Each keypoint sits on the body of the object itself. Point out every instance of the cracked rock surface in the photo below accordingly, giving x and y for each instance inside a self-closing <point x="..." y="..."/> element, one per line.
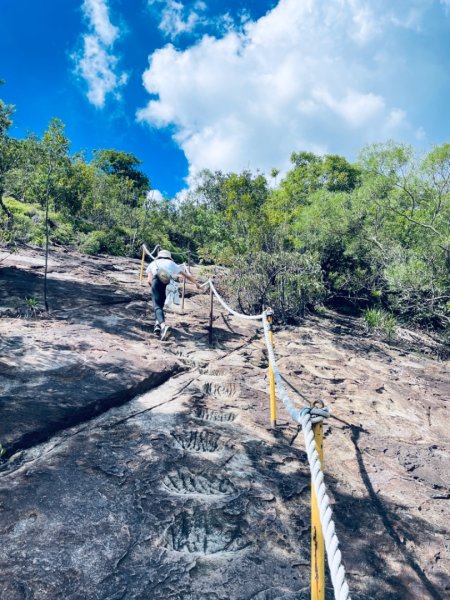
<point x="138" y="469"/>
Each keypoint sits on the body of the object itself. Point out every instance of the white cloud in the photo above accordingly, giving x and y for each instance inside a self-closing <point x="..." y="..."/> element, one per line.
<point x="396" y="119"/>
<point x="97" y="13"/>
<point x="355" y="108"/>
<point x="308" y="75"/>
<point x="371" y="17"/>
<point x="155" y="196"/>
<point x="177" y="19"/>
<point x="97" y="67"/>
<point x="96" y="63"/>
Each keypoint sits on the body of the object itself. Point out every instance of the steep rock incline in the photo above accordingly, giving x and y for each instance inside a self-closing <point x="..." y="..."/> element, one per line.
<point x="388" y="448"/>
<point x="183" y="492"/>
<point x="92" y="352"/>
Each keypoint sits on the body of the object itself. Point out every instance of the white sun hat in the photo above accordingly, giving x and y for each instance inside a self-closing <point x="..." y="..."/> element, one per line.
<point x="164" y="254"/>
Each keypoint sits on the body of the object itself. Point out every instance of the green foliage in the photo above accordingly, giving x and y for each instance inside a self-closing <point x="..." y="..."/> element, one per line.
<point x="28" y="225"/>
<point x="223" y="215"/>
<point x="7" y="146"/>
<point x="377" y="319"/>
<point x="22" y="209"/>
<point x="312" y="173"/>
<point x="203" y="230"/>
<point x="93" y="242"/>
<point x="122" y="165"/>
<point x="373" y="235"/>
<point x="6" y="112"/>
<point x="287" y="282"/>
<point x="32" y="304"/>
<point x="373" y="317"/>
<point x="103" y="242"/>
<point x="390" y="325"/>
<point x="409" y="219"/>
<point x="29" y="308"/>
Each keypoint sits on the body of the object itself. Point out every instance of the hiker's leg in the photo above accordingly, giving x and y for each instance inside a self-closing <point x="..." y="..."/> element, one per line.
<point x="158" y="297"/>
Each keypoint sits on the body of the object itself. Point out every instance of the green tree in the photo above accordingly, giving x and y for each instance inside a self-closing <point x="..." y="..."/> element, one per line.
<point x="312" y="173"/>
<point x="224" y="214"/>
<point x="285" y="281"/>
<point x="7" y="153"/>
<point x="245" y="195"/>
<point x="51" y="178"/>
<point x="28" y="155"/>
<point x="124" y="166"/>
<point x="202" y="230"/>
<point x="412" y="196"/>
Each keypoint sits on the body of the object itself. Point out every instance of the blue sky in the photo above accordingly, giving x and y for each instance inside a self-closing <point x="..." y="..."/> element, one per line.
<point x="186" y="85"/>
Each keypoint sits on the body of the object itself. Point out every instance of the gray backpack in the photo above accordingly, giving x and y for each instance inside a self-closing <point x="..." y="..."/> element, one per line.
<point x="162" y="274"/>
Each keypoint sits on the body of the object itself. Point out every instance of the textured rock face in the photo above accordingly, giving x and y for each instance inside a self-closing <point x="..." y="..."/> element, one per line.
<point x="90" y="354"/>
<point x="143" y="470"/>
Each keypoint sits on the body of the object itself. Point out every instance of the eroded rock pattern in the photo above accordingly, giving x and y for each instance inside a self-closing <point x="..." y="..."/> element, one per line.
<point x="182" y="492"/>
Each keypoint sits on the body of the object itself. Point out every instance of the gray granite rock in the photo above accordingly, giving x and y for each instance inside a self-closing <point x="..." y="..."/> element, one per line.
<point x="138" y="469"/>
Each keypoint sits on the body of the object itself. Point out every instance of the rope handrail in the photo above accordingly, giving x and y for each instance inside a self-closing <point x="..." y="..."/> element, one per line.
<point x="147" y="251"/>
<point x="334" y="556"/>
<point x="228" y="308"/>
<point x="305" y="417"/>
<point x="294" y="412"/>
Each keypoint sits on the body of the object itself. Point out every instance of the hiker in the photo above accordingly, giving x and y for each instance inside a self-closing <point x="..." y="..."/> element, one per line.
<point x="160" y="271"/>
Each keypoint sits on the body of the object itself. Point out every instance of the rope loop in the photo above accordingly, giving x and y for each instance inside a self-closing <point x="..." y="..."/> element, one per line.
<point x="147" y="251"/>
<point x="228" y="308"/>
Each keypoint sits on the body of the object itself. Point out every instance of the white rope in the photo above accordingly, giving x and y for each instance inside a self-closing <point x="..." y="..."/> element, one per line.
<point x="228" y="308"/>
<point x="147" y="251"/>
<point x="305" y="417"/>
<point x="334" y="556"/>
<point x="281" y="388"/>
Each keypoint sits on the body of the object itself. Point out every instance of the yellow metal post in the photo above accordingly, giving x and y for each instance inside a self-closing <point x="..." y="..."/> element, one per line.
<point x="273" y="405"/>
<point x="183" y="295"/>
<point x="211" y="316"/>
<point x="317" y="541"/>
<point x="142" y="266"/>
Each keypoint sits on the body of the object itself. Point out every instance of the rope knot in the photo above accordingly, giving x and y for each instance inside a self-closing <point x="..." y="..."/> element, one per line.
<point x="317" y="412"/>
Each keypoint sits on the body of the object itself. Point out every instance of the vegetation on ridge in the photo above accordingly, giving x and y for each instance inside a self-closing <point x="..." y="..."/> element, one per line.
<point x="374" y="235"/>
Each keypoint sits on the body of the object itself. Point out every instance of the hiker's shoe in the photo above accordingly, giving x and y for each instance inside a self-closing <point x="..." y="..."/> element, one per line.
<point x="165" y="332"/>
<point x="157" y="330"/>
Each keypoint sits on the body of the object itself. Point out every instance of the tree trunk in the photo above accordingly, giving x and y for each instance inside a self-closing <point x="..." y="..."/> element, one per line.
<point x="46" y="255"/>
<point x="4" y="208"/>
<point x="47" y="201"/>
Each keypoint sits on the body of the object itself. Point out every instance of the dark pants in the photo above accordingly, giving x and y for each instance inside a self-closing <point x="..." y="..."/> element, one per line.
<point x="158" y="297"/>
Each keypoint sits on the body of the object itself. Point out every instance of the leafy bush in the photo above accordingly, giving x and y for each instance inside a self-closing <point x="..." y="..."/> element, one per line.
<point x="285" y="281"/>
<point x="378" y="319"/>
<point x="30" y="308"/>
<point x="28" y="225"/>
<point x="103" y="242"/>
<point x="19" y="208"/>
<point x="93" y="242"/>
<point x="18" y="228"/>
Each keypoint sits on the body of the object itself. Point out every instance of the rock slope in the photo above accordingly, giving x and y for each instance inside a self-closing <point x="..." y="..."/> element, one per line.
<point x="146" y="470"/>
